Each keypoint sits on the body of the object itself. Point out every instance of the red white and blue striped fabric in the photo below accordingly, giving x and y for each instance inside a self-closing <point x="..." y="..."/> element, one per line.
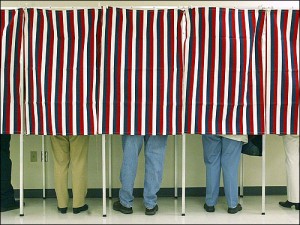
<point x="11" y="70"/>
<point x="282" y="108"/>
<point x="225" y="71"/>
<point x="61" y="71"/>
<point x="141" y="72"/>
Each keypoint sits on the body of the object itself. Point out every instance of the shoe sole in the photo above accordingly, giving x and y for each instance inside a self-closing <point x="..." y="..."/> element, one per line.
<point x="62" y="210"/>
<point x="76" y="212"/>
<point x="209" y="210"/>
<point x="122" y="211"/>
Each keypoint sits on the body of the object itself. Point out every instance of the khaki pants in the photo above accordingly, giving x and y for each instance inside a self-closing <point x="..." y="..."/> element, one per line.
<point x="70" y="151"/>
<point x="291" y="147"/>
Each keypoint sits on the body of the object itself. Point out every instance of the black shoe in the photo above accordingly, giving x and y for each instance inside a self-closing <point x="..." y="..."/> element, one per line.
<point x="119" y="207"/>
<point x="14" y="205"/>
<point x="62" y="210"/>
<point x="80" y="209"/>
<point x="209" y="208"/>
<point x="151" y="212"/>
<point x="288" y="204"/>
<point x="235" y="210"/>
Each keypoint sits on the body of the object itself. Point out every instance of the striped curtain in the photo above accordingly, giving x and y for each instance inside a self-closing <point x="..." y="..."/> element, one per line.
<point x="11" y="70"/>
<point x="141" y="72"/>
<point x="121" y="71"/>
<point x="224" y="77"/>
<point x="61" y="66"/>
<point x="282" y="111"/>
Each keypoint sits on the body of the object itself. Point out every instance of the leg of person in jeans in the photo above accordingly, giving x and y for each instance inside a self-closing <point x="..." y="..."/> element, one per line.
<point x="230" y="159"/>
<point x="8" y="201"/>
<point x="155" y="148"/>
<point x="132" y="146"/>
<point x="212" y="149"/>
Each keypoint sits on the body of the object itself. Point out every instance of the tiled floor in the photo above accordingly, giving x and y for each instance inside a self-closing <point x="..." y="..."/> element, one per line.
<point x="39" y="211"/>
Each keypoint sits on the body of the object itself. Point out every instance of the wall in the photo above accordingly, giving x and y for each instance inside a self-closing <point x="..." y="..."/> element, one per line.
<point x="195" y="169"/>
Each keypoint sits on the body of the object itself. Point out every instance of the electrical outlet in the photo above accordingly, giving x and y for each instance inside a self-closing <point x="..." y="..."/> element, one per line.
<point x="33" y="156"/>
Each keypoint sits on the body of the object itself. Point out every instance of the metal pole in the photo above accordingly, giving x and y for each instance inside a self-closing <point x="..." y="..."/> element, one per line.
<point x="263" y="200"/>
<point x="175" y="167"/>
<point x="22" y="135"/>
<point x="263" y="173"/>
<point x="21" y="174"/>
<point x="44" y="168"/>
<point x="242" y="177"/>
<point x="103" y="176"/>
<point x="109" y="167"/>
<point x="183" y="175"/>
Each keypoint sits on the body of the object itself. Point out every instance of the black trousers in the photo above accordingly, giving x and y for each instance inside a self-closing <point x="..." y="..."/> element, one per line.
<point x="7" y="191"/>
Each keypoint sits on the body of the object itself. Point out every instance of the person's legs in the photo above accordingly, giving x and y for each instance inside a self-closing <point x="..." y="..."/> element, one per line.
<point x="212" y="155"/>
<point x="155" y="148"/>
<point x="230" y="159"/>
<point x="131" y="148"/>
<point x="61" y="159"/>
<point x="291" y="147"/>
<point x="79" y="157"/>
<point x="7" y="191"/>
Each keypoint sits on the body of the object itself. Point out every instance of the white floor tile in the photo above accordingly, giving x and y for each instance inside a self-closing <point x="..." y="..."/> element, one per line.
<point x="39" y="211"/>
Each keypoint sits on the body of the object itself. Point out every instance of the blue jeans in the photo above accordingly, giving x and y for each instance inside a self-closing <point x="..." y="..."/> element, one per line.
<point x="155" y="148"/>
<point x="220" y="152"/>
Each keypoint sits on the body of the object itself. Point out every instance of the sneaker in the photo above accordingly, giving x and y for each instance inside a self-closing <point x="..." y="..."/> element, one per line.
<point x="209" y="208"/>
<point x="14" y="205"/>
<point x="80" y="209"/>
<point x="62" y="210"/>
<point x="235" y="210"/>
<point x="288" y="204"/>
<point x="119" y="207"/>
<point x="151" y="212"/>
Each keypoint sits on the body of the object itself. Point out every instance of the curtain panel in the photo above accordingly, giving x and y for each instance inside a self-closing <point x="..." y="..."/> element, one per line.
<point x="282" y="106"/>
<point x="61" y="71"/>
<point x="11" y="70"/>
<point x="224" y="78"/>
<point x="141" y="72"/>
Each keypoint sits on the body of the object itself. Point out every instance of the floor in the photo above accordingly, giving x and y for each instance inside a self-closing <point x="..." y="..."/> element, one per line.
<point x="38" y="211"/>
